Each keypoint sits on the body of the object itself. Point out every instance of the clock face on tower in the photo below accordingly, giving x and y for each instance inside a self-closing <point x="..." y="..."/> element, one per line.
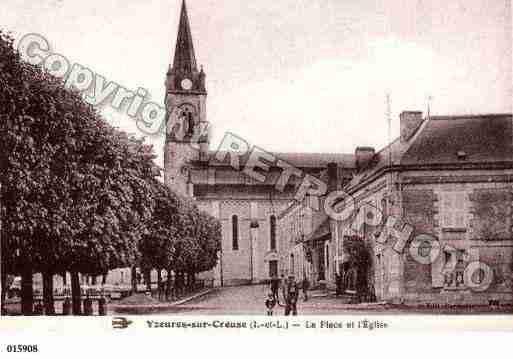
<point x="186" y="84"/>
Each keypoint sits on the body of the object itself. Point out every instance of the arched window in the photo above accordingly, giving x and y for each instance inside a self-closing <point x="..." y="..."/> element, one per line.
<point x="190" y="123"/>
<point x="272" y="224"/>
<point x="235" y="233"/>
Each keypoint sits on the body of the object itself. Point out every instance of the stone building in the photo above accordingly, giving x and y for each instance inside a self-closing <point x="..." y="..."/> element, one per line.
<point x="432" y="212"/>
<point x="305" y="228"/>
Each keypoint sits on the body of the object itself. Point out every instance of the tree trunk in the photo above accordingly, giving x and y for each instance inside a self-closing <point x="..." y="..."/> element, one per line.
<point x="133" y="279"/>
<point x="27" y="293"/>
<point x="104" y="279"/>
<point x="159" y="283"/>
<point x="48" y="293"/>
<point x="169" y="283"/>
<point x="179" y="282"/>
<point x="147" y="279"/>
<point x="76" y="296"/>
<point x="4" y="289"/>
<point x="190" y="281"/>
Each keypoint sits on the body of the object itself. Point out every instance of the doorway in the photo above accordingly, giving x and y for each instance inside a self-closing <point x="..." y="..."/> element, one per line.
<point x="273" y="269"/>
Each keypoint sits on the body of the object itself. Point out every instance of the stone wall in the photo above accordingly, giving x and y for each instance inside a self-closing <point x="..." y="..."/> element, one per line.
<point x="486" y="237"/>
<point x="250" y="262"/>
<point x="419" y="212"/>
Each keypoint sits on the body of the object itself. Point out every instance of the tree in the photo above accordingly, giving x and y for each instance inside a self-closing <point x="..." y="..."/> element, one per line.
<point x="180" y="239"/>
<point x="76" y="193"/>
<point x="157" y="245"/>
<point x="197" y="245"/>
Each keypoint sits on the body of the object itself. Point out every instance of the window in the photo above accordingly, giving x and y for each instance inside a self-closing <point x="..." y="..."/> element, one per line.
<point x="320" y="262"/>
<point x="327" y="257"/>
<point x="186" y="115"/>
<point x="235" y="233"/>
<point x="425" y="249"/>
<point x="302" y="223"/>
<point x="454" y="269"/>
<point x="190" y="124"/>
<point x="369" y="216"/>
<point x="384" y="209"/>
<point x="272" y="223"/>
<point x="454" y="210"/>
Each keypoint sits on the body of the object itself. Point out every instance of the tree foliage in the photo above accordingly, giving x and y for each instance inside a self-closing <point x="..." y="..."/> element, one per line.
<point x="181" y="238"/>
<point x="76" y="193"/>
<point x="79" y="195"/>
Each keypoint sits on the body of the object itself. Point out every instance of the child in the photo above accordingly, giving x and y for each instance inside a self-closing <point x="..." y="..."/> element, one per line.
<point x="270" y="303"/>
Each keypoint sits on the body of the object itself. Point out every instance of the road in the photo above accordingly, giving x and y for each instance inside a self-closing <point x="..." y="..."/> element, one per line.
<point x="249" y="300"/>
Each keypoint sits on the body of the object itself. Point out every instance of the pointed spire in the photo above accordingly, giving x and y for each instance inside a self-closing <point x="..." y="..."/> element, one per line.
<point x="184" y="60"/>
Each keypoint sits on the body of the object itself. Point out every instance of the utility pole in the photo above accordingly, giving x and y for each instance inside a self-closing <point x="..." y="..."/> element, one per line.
<point x="252" y="237"/>
<point x="251" y="230"/>
<point x="429" y="100"/>
<point x="220" y="266"/>
<point x="389" y="121"/>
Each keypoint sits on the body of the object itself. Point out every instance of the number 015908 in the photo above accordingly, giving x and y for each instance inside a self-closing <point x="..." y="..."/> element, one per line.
<point x="22" y="348"/>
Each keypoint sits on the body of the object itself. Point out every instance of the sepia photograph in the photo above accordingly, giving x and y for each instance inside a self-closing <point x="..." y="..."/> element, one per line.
<point x="254" y="159"/>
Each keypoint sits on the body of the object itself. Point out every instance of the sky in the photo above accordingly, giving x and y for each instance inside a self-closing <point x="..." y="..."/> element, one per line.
<point x="293" y="75"/>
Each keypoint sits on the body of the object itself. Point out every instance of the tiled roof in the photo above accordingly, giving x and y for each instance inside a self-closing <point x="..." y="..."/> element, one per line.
<point x="321" y="231"/>
<point x="480" y="139"/>
<point x="300" y="160"/>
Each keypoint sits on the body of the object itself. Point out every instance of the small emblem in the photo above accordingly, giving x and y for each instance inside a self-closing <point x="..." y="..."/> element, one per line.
<point x="120" y="323"/>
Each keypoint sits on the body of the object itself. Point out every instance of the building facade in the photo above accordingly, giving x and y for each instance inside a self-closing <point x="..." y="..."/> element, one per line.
<point x="247" y="207"/>
<point x="444" y="187"/>
<point x="431" y="216"/>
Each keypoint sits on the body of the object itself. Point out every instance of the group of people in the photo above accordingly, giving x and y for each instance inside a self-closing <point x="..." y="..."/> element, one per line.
<point x="290" y="294"/>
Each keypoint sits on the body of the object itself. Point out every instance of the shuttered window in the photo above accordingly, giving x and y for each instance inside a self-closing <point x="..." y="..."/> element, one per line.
<point x="454" y="210"/>
<point x="272" y="233"/>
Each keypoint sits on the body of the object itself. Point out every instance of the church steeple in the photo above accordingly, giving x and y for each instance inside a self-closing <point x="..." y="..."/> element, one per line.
<point x="187" y="130"/>
<point x="184" y="59"/>
<point x="183" y="76"/>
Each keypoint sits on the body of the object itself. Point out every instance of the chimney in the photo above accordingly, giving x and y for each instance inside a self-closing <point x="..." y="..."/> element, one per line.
<point x="363" y="157"/>
<point x="333" y="177"/>
<point x="203" y="152"/>
<point x="410" y="123"/>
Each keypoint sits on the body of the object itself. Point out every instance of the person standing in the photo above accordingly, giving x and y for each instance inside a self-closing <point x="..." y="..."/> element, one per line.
<point x="283" y="285"/>
<point x="275" y="287"/>
<point x="305" y="286"/>
<point x="270" y="303"/>
<point x="291" y="294"/>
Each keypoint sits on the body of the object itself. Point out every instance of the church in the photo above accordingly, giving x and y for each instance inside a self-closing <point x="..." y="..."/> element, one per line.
<point x="247" y="209"/>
